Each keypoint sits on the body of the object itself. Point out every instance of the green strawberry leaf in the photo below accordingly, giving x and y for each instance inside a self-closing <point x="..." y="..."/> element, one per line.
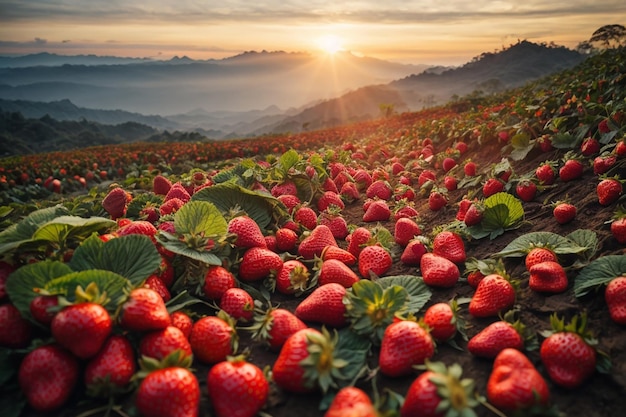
<point x="289" y="159"/>
<point x="20" y="234"/>
<point x="520" y="246"/>
<point x="22" y="283"/>
<point x="172" y="243"/>
<point x="419" y="293"/>
<point x="200" y="218"/>
<point x="132" y="256"/>
<point x="8" y="365"/>
<point x="114" y="285"/>
<point x="502" y="212"/>
<point x="237" y="173"/>
<point x="599" y="273"/>
<point x="62" y="228"/>
<point x="522" y="145"/>
<point x="587" y="239"/>
<point x="354" y="349"/>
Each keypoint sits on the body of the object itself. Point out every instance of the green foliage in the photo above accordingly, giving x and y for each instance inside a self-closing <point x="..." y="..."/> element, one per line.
<point x="502" y="212"/>
<point x="599" y="273"/>
<point x="558" y="244"/>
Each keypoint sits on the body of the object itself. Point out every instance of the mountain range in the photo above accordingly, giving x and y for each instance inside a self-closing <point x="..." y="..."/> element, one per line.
<point x="222" y="98"/>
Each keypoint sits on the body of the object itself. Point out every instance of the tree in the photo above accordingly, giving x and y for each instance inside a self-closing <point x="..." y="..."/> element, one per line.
<point x="609" y="36"/>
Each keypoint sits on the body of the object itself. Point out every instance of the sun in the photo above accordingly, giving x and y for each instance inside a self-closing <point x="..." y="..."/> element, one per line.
<point x="331" y="44"/>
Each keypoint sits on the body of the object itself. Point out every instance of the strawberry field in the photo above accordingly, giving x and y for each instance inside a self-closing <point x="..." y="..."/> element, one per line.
<point x="487" y="236"/>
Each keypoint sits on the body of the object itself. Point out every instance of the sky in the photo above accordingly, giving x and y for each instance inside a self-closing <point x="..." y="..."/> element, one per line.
<point x="431" y="32"/>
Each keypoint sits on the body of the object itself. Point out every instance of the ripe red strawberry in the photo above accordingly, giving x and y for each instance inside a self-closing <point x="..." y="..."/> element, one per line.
<point x="172" y="392"/>
<point x="548" y="277"/>
<point x="144" y="311"/>
<point x="464" y="206"/>
<point x="618" y="228"/>
<point x="363" y="179"/>
<point x="328" y="199"/>
<point x="413" y="252"/>
<point x="448" y="163"/>
<point x="450" y="182"/>
<point x="349" y="192"/>
<point x="426" y="176"/>
<point x="15" y="331"/>
<point x="216" y="281"/>
<point x="249" y="234"/>
<point x="405" y="343"/>
<point x="442" y="319"/>
<point x="474" y="214"/>
<point x="306" y="217"/>
<point x="275" y="326"/>
<point x="603" y="163"/>
<point x="47" y="376"/>
<point x="115" y="203"/>
<point x="405" y="230"/>
<point x="335" y="252"/>
<point x="292" y="278"/>
<point x="335" y="222"/>
<point x="178" y="191"/>
<point x="237" y="388"/>
<point x="620" y="149"/>
<point x="182" y="320"/>
<point x="615" y="297"/>
<point x="138" y="227"/>
<point x="290" y="201"/>
<point x="440" y="391"/>
<point x="155" y="283"/>
<point x="213" y="338"/>
<point x="492" y="186"/>
<point x="82" y="328"/>
<point x="258" y="263"/>
<point x="567" y="353"/>
<point x="539" y="254"/>
<point x="545" y="143"/>
<point x="43" y="308"/>
<point x="171" y="206"/>
<point x="112" y="368"/>
<point x="238" y="303"/>
<point x="335" y="271"/>
<point x="358" y="239"/>
<point x="437" y="200"/>
<point x="161" y="185"/>
<point x="313" y="245"/>
<point x="515" y="384"/>
<point x="469" y="168"/>
<point x="546" y="173"/>
<point x="572" y="169"/>
<point x="589" y="147"/>
<point x="526" y="190"/>
<point x="405" y="210"/>
<point x="329" y="185"/>
<point x="450" y="246"/>
<point x="374" y="259"/>
<point x="438" y="271"/>
<point x="493" y="295"/>
<point x="377" y="211"/>
<point x="379" y="189"/>
<point x="306" y="362"/>
<point x="351" y="401"/>
<point x="286" y="239"/>
<point x="609" y="190"/>
<point x="324" y="305"/>
<point x="564" y="212"/>
<point x="496" y="337"/>
<point x="285" y="187"/>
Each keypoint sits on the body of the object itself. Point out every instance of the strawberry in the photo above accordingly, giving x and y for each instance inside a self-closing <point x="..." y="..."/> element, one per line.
<point x="171" y="392"/>
<point x="337" y="253"/>
<point x="492" y="186"/>
<point x="515" y="384"/>
<point x="405" y="230"/>
<point x="405" y="343"/>
<point x="285" y="187"/>
<point x="450" y="246"/>
<point x="182" y="321"/>
<point x="329" y="186"/>
<point x="178" y="191"/>
<point x="443" y="320"/>
<point x="618" y="228"/>
<point x="547" y="277"/>
<point x="217" y="280"/>
<point x="237" y="388"/>
<point x="82" y="328"/>
<point x="275" y="326"/>
<point x="379" y="189"/>
<point x="363" y="179"/>
<point x="589" y="147"/>
<point x="161" y="185"/>
<point x="115" y="203"/>
<point x="609" y="191"/>
<point x="43" y="308"/>
<point x="313" y="245"/>
<point x="493" y="295"/>
<point x="546" y="173"/>
<point x="437" y="200"/>
<point x="474" y="214"/>
<point x="413" y="252"/>
<point x="258" y="263"/>
<point x="448" y="163"/>
<point x="615" y="297"/>
<point x="112" y="368"/>
<point x="15" y="331"/>
<point x="397" y="168"/>
<point x="171" y="206"/>
<point x="238" y="303"/>
<point x="537" y="255"/>
<point x="496" y="337"/>
<point x="286" y="239"/>
<point x="324" y="305"/>
<point x="564" y="212"/>
<point x="603" y="163"/>
<point x="328" y="199"/>
<point x="438" y="271"/>
<point x="138" y="227"/>
<point x="572" y="169"/>
<point x="351" y="401"/>
<point x="144" y="310"/>
<point x="374" y="259"/>
<point x="292" y="278"/>
<point x="620" y="149"/>
<point x="464" y="206"/>
<point x="545" y="143"/>
<point x="6" y="269"/>
<point x="469" y="168"/>
<point x="377" y="211"/>
<point x="358" y="240"/>
<point x="426" y="176"/>
<point x="349" y="192"/>
<point x="155" y="283"/>
<point x="335" y="222"/>
<point x="290" y="201"/>
<point x="405" y="209"/>
<point x="213" y="338"/>
<point x="249" y="234"/>
<point x="47" y="376"/>
<point x="307" y="362"/>
<point x="567" y="353"/>
<point x="335" y="271"/>
<point x="526" y="190"/>
<point x="450" y="182"/>
<point x="440" y="391"/>
<point x="306" y="217"/>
